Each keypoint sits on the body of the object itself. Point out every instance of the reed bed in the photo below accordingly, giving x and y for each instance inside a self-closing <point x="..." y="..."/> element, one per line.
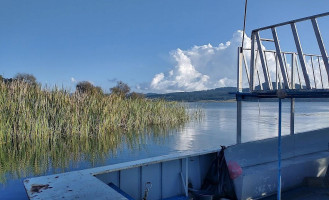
<point x="43" y="129"/>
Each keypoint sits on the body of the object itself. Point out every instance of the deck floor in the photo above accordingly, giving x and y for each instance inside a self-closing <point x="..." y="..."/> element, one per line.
<point x="304" y="193"/>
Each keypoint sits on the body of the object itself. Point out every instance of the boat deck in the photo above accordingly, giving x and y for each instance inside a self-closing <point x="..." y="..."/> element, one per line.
<point x="303" y="193"/>
<point x="88" y="184"/>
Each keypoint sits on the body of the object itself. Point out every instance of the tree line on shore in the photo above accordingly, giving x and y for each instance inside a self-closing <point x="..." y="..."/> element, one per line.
<point x="82" y="87"/>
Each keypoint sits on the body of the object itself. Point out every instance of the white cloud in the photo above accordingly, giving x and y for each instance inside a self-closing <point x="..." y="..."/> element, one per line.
<point x="207" y="67"/>
<point x="73" y="80"/>
<point x="225" y="82"/>
<point x="201" y="67"/>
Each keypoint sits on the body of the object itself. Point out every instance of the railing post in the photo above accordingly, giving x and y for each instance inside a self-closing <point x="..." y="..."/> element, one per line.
<point x="252" y="63"/>
<point x="300" y="55"/>
<point x="246" y="68"/>
<point x="320" y="71"/>
<point x="314" y="79"/>
<point x="239" y="81"/>
<point x="292" y="103"/>
<point x="239" y="103"/>
<point x="278" y="52"/>
<point x="238" y="119"/>
<point x="279" y="150"/>
<point x="256" y="70"/>
<point x="321" y="45"/>
<point x="267" y="78"/>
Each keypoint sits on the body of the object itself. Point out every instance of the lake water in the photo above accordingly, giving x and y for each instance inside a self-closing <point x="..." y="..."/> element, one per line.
<point x="218" y="127"/>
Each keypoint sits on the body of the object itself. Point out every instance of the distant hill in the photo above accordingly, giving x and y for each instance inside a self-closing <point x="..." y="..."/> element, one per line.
<point x="218" y="94"/>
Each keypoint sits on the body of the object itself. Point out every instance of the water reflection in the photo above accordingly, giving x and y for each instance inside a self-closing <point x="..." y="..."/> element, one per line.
<point x="260" y="119"/>
<point x="50" y="157"/>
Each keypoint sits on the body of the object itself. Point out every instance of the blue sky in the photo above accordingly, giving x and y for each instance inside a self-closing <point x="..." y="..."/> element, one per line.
<point x="64" y="41"/>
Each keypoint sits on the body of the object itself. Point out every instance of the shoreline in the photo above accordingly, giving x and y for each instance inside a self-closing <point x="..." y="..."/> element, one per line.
<point x="216" y="101"/>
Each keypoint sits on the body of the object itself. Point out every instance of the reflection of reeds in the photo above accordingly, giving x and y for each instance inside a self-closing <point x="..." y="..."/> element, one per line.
<point x="42" y="127"/>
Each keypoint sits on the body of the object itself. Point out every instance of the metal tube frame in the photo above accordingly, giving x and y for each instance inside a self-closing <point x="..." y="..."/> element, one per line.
<point x="280" y="56"/>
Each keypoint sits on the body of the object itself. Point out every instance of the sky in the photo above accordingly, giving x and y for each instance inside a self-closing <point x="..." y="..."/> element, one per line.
<point x="152" y="45"/>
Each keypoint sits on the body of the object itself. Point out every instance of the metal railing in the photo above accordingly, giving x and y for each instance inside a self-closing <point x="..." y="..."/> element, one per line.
<point x="309" y="74"/>
<point x="292" y="71"/>
<point x="271" y="70"/>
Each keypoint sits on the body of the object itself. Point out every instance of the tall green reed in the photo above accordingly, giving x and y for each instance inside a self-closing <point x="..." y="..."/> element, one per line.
<point x="49" y="128"/>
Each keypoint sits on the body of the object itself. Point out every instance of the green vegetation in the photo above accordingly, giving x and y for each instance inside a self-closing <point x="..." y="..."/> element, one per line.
<point x="41" y="127"/>
<point x="88" y="88"/>
<point x="27" y="78"/>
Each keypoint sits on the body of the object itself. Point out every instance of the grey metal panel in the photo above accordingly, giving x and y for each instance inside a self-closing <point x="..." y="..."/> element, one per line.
<point x="194" y="172"/>
<point x="263" y="151"/>
<point x="107" y="178"/>
<point x="267" y="78"/>
<point x="321" y="45"/>
<point x="278" y="52"/>
<point x="152" y="173"/>
<point x="300" y="55"/>
<point x="205" y="162"/>
<point x="130" y="182"/>
<point x="261" y="180"/>
<point x="184" y="174"/>
<point x="172" y="184"/>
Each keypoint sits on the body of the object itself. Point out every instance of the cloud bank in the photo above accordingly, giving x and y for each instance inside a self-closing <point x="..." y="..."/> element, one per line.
<point x="201" y="67"/>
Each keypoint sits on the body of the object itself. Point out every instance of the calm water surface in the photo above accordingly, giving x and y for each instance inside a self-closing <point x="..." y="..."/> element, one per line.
<point x="218" y="127"/>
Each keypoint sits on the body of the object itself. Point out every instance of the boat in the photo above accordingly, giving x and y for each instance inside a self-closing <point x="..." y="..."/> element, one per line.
<point x="268" y="168"/>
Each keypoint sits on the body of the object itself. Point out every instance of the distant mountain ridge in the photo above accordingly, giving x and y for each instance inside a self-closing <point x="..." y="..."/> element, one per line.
<point x="218" y="94"/>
